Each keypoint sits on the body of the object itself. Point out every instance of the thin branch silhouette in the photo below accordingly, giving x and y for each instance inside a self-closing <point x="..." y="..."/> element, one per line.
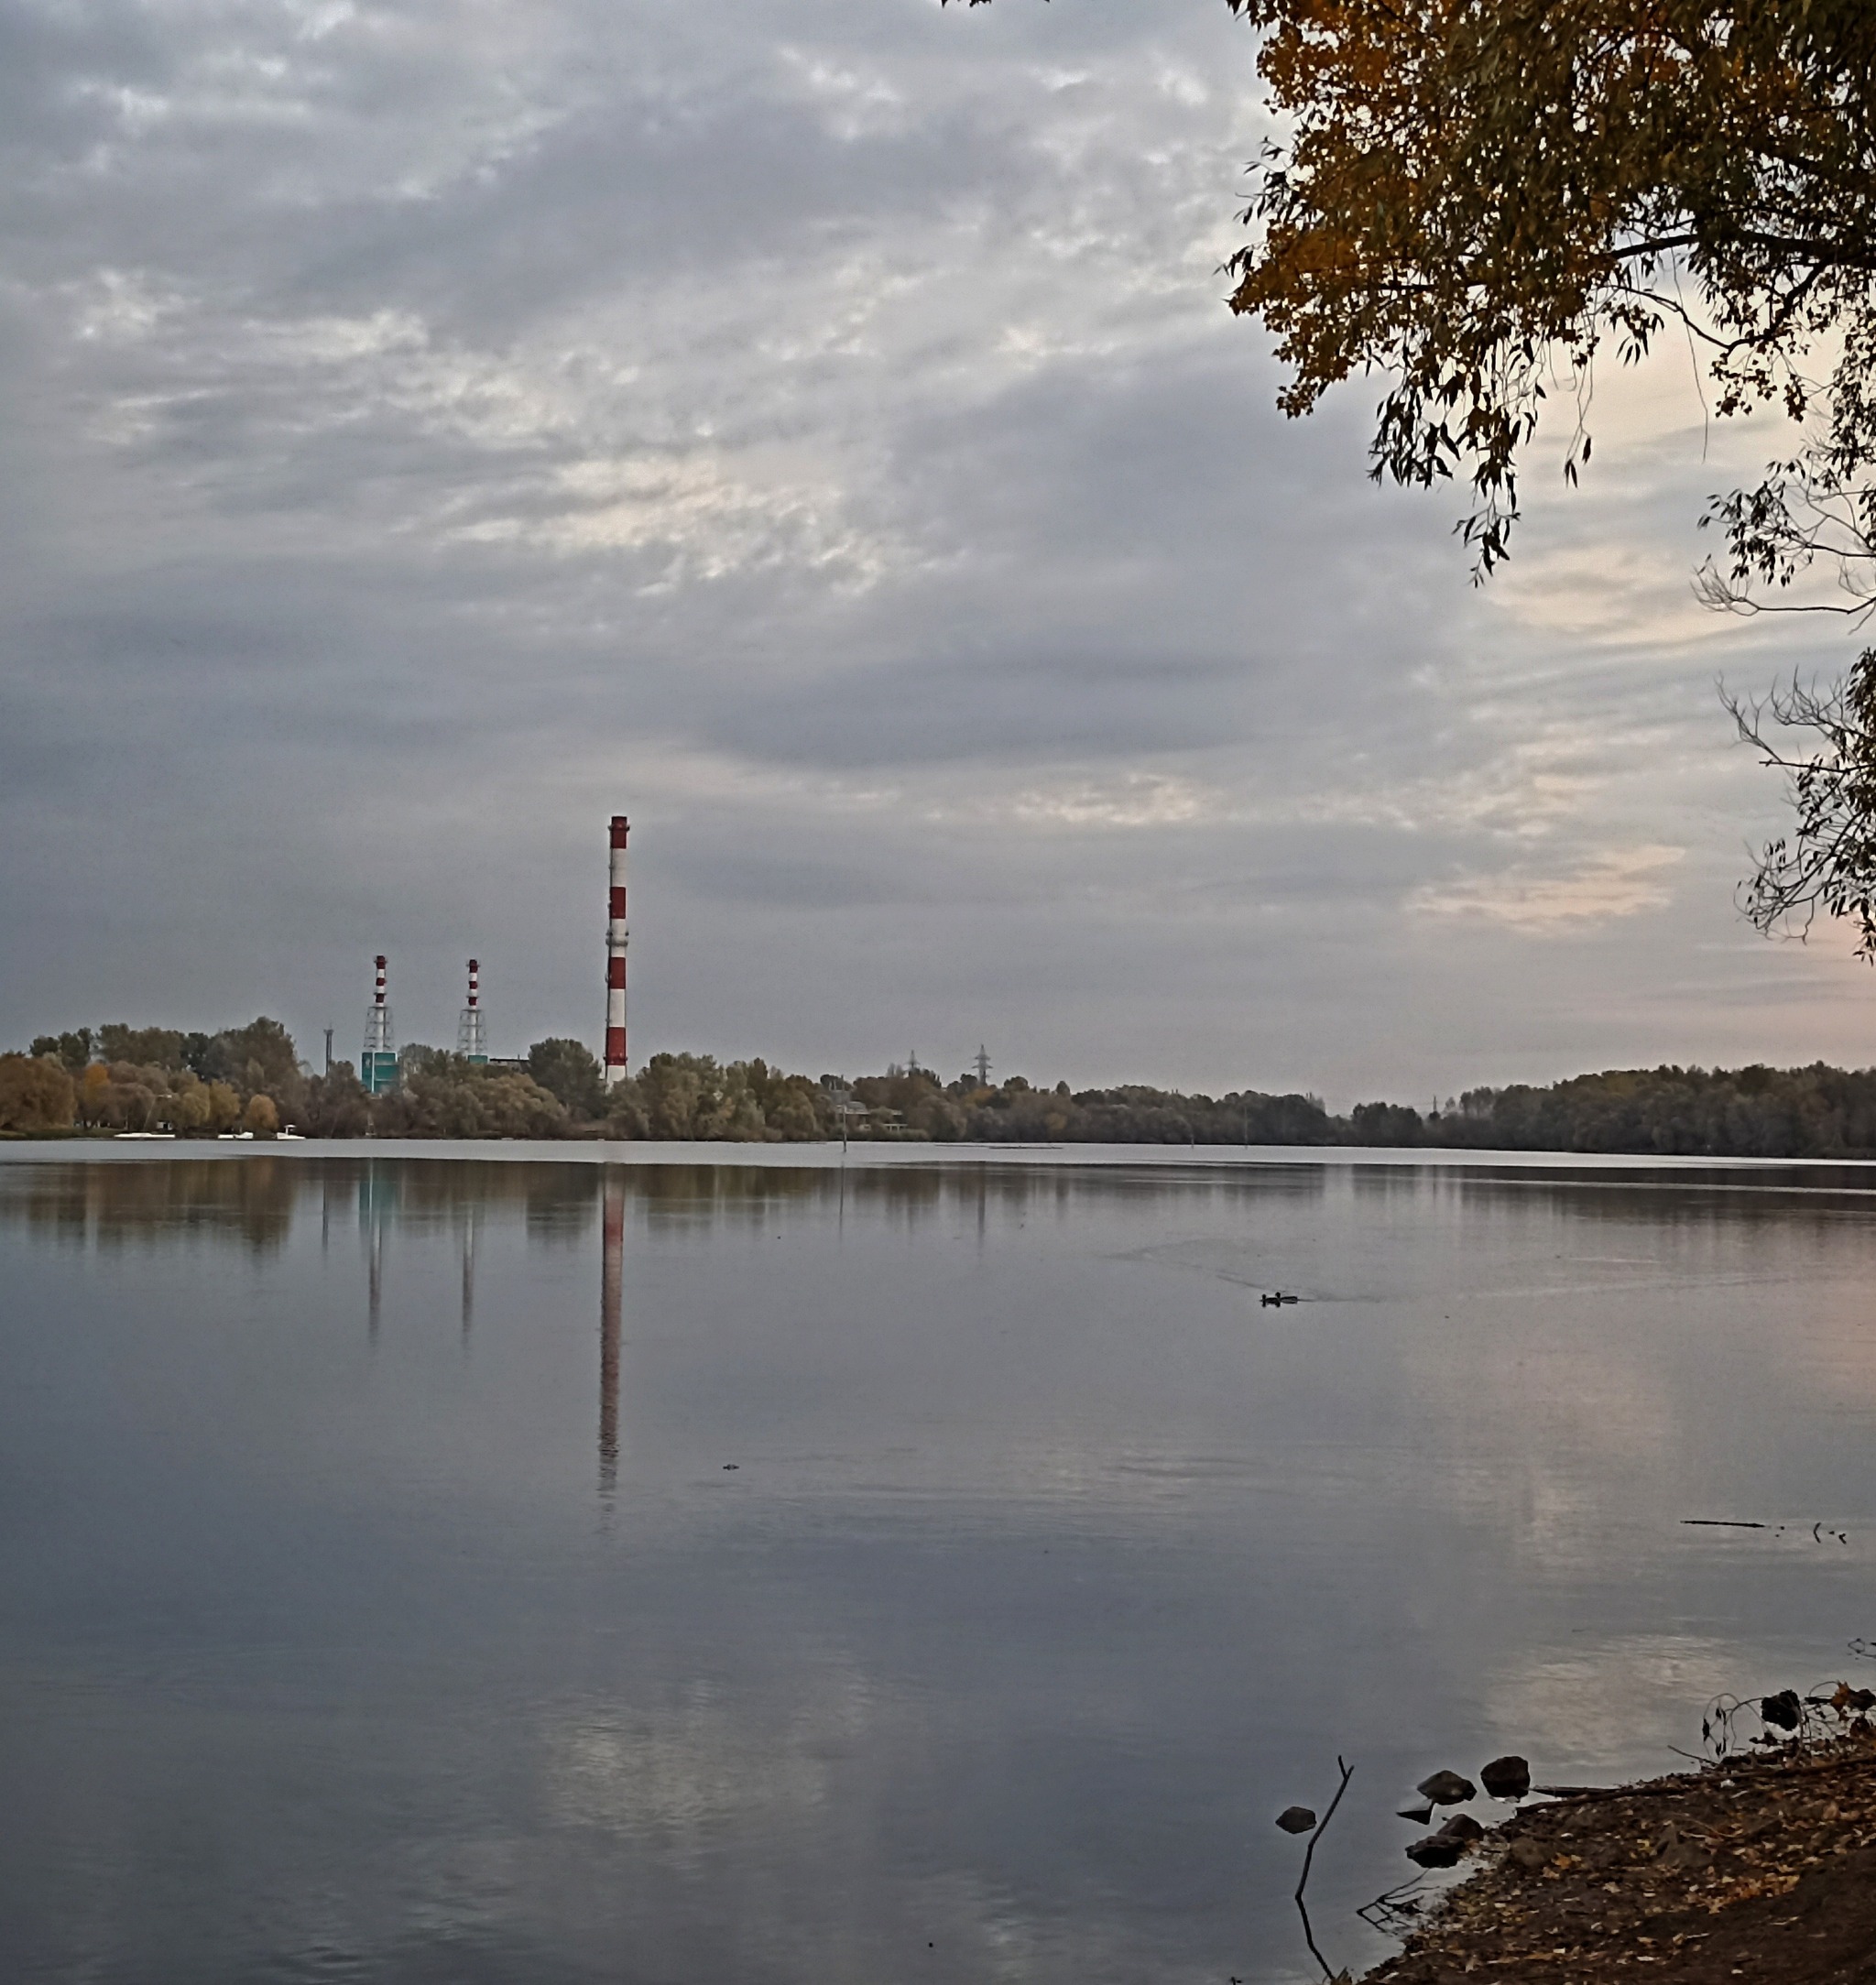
<point x="1347" y="1772"/>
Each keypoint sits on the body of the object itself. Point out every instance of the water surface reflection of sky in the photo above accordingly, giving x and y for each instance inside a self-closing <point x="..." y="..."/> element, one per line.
<point x="419" y="1569"/>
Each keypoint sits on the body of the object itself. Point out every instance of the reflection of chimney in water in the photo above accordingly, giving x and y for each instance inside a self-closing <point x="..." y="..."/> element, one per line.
<point x="612" y="1275"/>
<point x="469" y="1275"/>
<point x="371" y="1228"/>
<point x="376" y="1257"/>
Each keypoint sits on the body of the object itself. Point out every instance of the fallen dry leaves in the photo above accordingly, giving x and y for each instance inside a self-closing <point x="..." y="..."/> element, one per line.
<point x="1760" y="1868"/>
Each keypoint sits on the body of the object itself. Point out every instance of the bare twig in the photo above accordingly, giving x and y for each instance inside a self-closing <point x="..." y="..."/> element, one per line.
<point x="1347" y="1772"/>
<point x="1828" y="863"/>
<point x="1394" y="1912"/>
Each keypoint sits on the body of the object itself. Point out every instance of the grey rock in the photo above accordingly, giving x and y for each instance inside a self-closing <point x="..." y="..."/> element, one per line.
<point x="1506" y="1778"/>
<point x="1783" y="1711"/>
<point x="1447" y="1788"/>
<point x="1435" y="1851"/>
<point x="1296" y="1819"/>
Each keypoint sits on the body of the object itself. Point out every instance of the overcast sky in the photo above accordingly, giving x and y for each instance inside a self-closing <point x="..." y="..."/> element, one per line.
<point x="815" y="430"/>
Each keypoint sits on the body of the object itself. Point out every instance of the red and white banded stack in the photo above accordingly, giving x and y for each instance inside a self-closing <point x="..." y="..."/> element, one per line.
<point x="472" y="1043"/>
<point x="615" y="958"/>
<point x="377" y="1067"/>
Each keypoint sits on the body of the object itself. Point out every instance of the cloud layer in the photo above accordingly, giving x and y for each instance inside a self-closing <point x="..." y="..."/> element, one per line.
<point x="818" y="432"/>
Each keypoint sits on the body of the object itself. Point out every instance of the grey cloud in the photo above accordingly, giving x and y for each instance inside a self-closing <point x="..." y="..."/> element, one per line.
<point x="818" y="431"/>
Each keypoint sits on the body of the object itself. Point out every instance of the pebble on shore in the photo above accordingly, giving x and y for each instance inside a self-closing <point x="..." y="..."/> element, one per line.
<point x="1760" y="1868"/>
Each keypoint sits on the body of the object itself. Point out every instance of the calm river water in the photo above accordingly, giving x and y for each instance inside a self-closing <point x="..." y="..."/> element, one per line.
<point x="453" y="1569"/>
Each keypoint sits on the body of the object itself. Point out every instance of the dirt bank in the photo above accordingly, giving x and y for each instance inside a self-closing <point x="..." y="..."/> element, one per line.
<point x="1759" y="1868"/>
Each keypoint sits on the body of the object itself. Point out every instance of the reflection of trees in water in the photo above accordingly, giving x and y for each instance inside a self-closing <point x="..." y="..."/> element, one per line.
<point x="556" y="1201"/>
<point x="1810" y="1199"/>
<point x="253" y="1201"/>
<point x="711" y="1197"/>
<point x="114" y="1204"/>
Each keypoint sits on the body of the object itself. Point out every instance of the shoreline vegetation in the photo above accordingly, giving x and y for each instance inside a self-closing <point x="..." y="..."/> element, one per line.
<point x="109" y="1080"/>
<point x="1759" y="1866"/>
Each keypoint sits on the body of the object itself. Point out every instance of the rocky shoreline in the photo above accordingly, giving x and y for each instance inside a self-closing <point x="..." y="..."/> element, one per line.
<point x="1760" y="1866"/>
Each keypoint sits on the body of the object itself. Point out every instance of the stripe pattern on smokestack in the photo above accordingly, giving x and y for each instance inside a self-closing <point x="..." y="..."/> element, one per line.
<point x="615" y="936"/>
<point x="377" y="1067"/>
<point x="472" y="1043"/>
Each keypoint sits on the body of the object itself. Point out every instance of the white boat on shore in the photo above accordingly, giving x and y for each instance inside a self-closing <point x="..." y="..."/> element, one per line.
<point x="143" y="1137"/>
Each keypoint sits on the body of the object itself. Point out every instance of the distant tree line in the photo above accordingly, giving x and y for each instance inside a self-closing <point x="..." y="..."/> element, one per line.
<point x="153" y="1078"/>
<point x="1814" y="1112"/>
<point x="104" y="1080"/>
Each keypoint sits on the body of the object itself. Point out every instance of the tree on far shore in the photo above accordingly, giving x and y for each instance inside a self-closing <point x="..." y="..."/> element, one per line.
<point x="37" y="1093"/>
<point x="569" y="1071"/>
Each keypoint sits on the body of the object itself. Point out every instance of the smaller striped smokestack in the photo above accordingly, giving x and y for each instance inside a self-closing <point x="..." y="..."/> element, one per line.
<point x="378" y="1066"/>
<point x="471" y="1042"/>
<point x="615" y="938"/>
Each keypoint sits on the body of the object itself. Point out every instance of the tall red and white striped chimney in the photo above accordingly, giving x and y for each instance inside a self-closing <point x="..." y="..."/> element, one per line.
<point x="472" y="1043"/>
<point x="615" y="958"/>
